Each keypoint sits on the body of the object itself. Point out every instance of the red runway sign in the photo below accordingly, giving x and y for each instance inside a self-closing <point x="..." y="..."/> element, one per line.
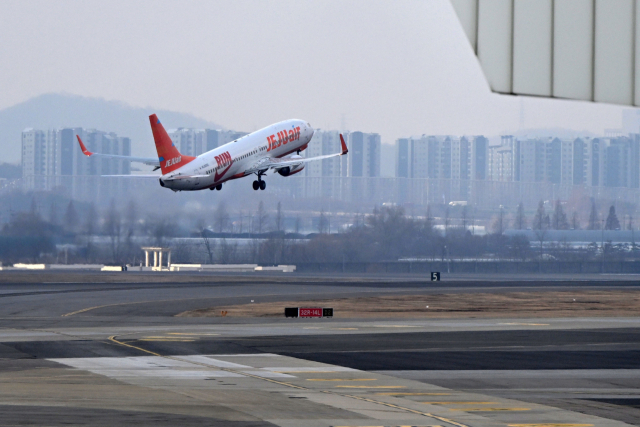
<point x="309" y="312"/>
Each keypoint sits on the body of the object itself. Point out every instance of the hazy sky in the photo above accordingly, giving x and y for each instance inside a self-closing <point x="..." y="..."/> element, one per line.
<point x="393" y="67"/>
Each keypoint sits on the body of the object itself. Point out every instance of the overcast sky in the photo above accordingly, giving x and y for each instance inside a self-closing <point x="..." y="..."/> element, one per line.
<point x="394" y="67"/>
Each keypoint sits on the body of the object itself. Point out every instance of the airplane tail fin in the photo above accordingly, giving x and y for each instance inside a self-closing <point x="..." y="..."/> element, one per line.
<point x="168" y="155"/>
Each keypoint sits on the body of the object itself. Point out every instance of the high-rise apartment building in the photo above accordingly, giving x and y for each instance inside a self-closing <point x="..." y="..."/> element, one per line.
<point x="193" y="142"/>
<point x="442" y="157"/>
<point x="503" y="164"/>
<point x="52" y="158"/>
<point x="364" y="154"/>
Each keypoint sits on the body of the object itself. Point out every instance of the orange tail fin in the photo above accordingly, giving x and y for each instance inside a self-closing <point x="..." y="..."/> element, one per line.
<point x="169" y="156"/>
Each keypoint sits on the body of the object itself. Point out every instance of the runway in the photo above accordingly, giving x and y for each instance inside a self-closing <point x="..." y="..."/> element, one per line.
<point x="87" y="353"/>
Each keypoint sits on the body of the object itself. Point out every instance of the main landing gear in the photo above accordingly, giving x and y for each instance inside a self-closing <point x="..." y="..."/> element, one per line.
<point x="217" y="187"/>
<point x="259" y="184"/>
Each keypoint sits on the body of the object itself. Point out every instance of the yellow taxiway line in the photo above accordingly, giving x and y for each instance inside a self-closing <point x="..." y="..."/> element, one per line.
<point x="285" y="384"/>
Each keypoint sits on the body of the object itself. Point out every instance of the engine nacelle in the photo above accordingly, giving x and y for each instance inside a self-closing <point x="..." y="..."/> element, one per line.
<point x="288" y="170"/>
<point x="291" y="170"/>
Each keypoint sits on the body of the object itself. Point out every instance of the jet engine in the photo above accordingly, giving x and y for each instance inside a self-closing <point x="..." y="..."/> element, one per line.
<point x="291" y="170"/>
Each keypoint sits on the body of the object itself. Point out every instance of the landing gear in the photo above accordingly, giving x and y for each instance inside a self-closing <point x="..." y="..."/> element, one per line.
<point x="219" y="187"/>
<point x="259" y="183"/>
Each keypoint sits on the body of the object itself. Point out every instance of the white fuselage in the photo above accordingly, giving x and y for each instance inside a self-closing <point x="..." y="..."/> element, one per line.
<point x="235" y="158"/>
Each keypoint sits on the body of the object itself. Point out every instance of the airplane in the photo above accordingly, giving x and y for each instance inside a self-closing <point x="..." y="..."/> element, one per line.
<point x="276" y="147"/>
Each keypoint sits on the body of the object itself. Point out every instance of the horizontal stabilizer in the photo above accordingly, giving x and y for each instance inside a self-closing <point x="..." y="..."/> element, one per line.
<point x="146" y="160"/>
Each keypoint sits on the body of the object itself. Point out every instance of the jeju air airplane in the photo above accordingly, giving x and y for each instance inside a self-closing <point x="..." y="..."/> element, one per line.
<point x="276" y="147"/>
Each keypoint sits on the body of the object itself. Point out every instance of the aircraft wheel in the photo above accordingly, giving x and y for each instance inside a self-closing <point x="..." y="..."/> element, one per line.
<point x="263" y="185"/>
<point x="219" y="187"/>
<point x="256" y="185"/>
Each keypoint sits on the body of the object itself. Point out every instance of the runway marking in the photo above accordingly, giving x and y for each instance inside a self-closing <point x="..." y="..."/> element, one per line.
<point x="525" y="324"/>
<point x="490" y="409"/>
<point x="194" y="334"/>
<point x="299" y="372"/>
<point x="344" y="329"/>
<point x="284" y="384"/>
<point x="84" y="310"/>
<point x="169" y="338"/>
<point x="113" y="339"/>
<point x="551" y="425"/>
<point x="395" y="326"/>
<point x="413" y="394"/>
<point x="340" y="379"/>
<point x="461" y="403"/>
<point x="165" y="340"/>
<point x="372" y="386"/>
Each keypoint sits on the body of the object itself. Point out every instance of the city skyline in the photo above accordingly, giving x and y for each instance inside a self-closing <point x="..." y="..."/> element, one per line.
<point x="412" y="50"/>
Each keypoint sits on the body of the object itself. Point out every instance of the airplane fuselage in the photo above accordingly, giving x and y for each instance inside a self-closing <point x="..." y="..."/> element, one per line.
<point x="234" y="159"/>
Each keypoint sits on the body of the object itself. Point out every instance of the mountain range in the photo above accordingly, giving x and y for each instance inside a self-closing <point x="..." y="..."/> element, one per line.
<point x="56" y="110"/>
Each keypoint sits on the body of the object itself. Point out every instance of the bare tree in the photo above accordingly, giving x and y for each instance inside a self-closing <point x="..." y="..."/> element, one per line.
<point x="90" y="229"/>
<point x="612" y="222"/>
<point x="34" y="207"/>
<point x="91" y="220"/>
<point x="278" y="218"/>
<point x="464" y="217"/>
<point x="130" y="219"/>
<point x="221" y="218"/>
<point x="499" y="223"/>
<point x="323" y="223"/>
<point x="71" y="217"/>
<point x="575" y="221"/>
<point x="593" y="217"/>
<point x="559" y="219"/>
<point x="208" y="244"/>
<point x="226" y="251"/>
<point x="113" y="229"/>
<point x="446" y="219"/>
<point x="241" y="216"/>
<point x="261" y="218"/>
<point x="428" y="219"/>
<point x="53" y="214"/>
<point x="297" y="226"/>
<point x="161" y="228"/>
<point x="541" y="232"/>
<point x="539" y="218"/>
<point x="521" y="220"/>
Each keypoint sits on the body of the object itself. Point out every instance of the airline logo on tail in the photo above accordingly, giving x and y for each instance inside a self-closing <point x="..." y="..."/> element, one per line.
<point x="169" y="156"/>
<point x="173" y="161"/>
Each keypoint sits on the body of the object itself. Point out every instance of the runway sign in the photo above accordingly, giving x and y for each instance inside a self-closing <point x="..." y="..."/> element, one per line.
<point x="435" y="276"/>
<point x="308" y="312"/>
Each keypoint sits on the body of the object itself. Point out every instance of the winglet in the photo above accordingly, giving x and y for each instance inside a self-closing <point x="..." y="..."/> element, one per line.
<point x="83" y="148"/>
<point x="344" y="146"/>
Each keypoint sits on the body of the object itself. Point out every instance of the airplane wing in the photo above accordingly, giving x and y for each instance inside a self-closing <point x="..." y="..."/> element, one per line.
<point x="272" y="163"/>
<point x="146" y="160"/>
<point x="141" y="176"/>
